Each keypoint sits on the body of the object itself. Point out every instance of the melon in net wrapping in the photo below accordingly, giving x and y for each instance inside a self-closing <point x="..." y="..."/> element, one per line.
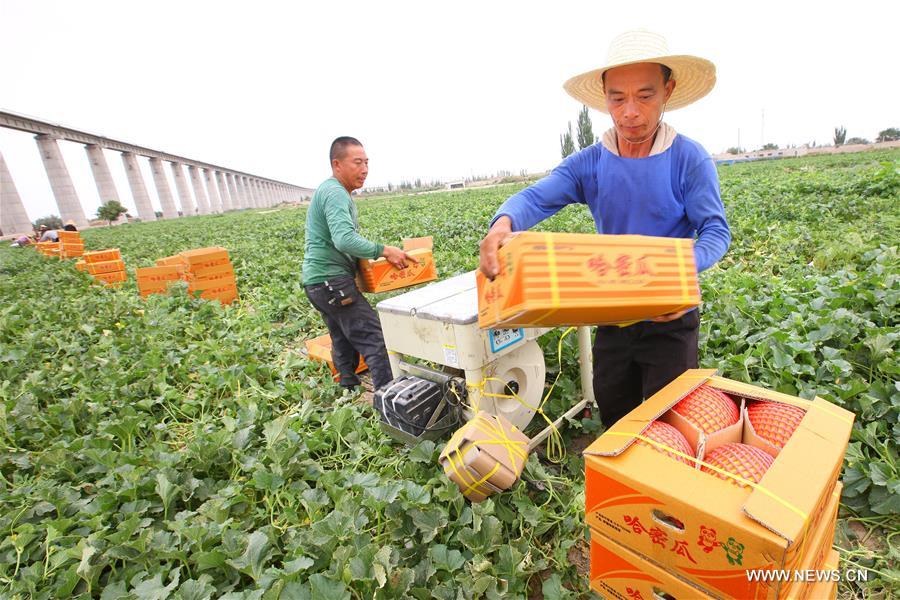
<point x="774" y="422"/>
<point x="668" y="436"/>
<point x="745" y="461"/>
<point x="708" y="409"/>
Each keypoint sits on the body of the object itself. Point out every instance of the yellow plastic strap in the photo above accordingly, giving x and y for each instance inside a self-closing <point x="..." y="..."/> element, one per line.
<point x="679" y="253"/>
<point x="467" y="478"/>
<point x="498" y="436"/>
<point x="697" y="461"/>
<point x="551" y="270"/>
<point x="556" y="452"/>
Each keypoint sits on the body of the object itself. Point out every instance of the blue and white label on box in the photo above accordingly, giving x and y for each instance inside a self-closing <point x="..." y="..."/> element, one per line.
<point x="504" y="338"/>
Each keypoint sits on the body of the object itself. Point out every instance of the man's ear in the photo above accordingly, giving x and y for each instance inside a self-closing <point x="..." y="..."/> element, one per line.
<point x="670" y="87"/>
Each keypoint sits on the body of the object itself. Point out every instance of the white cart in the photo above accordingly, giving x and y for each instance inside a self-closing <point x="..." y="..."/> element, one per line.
<point x="439" y="323"/>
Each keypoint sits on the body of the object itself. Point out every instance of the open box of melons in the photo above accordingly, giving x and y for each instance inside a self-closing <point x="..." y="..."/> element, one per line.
<point x="711" y="477"/>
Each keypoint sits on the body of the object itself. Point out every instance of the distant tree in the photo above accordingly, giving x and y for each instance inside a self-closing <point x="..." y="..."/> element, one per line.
<point x="585" y="129"/>
<point x="158" y="214"/>
<point x="770" y="146"/>
<point x="840" y="134"/>
<point x="51" y="221"/>
<point x="890" y="134"/>
<point x="566" y="144"/>
<point x="735" y="150"/>
<point x="110" y="211"/>
<point x="857" y="140"/>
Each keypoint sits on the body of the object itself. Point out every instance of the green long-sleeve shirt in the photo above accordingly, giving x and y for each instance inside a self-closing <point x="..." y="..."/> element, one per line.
<point x="333" y="242"/>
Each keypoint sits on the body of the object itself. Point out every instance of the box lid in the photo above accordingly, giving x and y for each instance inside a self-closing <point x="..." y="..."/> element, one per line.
<point x="453" y="300"/>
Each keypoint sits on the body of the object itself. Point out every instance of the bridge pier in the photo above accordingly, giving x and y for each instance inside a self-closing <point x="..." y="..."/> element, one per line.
<point x="60" y="182"/>
<point x="181" y="187"/>
<point x="106" y="187"/>
<point x="199" y="192"/>
<point x="13" y="218"/>
<point x="138" y="188"/>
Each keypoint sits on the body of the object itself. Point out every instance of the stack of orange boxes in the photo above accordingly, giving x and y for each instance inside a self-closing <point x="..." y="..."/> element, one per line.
<point x="70" y="244"/>
<point x="105" y="265"/>
<point x="48" y="248"/>
<point x="663" y="527"/>
<point x="156" y="280"/>
<point x="550" y="279"/>
<point x="209" y="271"/>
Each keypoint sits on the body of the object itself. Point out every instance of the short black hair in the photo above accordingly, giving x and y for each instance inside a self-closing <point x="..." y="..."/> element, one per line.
<point x="339" y="147"/>
<point x="666" y="73"/>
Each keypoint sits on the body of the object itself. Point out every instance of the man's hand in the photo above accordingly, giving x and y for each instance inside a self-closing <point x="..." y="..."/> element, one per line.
<point x="397" y="257"/>
<point x="500" y="233"/>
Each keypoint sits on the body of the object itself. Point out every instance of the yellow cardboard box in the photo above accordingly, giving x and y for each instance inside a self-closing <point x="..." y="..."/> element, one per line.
<point x="550" y="279"/>
<point x="485" y="456"/>
<point x="705" y="529"/>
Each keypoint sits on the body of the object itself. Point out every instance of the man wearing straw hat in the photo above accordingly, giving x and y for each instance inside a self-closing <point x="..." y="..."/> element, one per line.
<point x="642" y="178"/>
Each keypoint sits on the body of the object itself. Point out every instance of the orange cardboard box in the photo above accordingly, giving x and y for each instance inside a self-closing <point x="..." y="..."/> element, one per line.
<point x="619" y="572"/>
<point x="210" y="272"/>
<point x="381" y="276"/>
<point x="96" y="268"/>
<point x="147" y="276"/>
<point x="176" y="260"/>
<point x="827" y="590"/>
<point x="80" y="265"/>
<point x="111" y="277"/>
<point x="550" y="279"/>
<point x="201" y="285"/>
<point x="418" y="242"/>
<point x="320" y="349"/>
<point x="715" y="530"/>
<point x="72" y="250"/>
<point x="102" y="255"/>
<point x="226" y="293"/>
<point x="204" y="255"/>
<point x="485" y="456"/>
<point x="68" y="237"/>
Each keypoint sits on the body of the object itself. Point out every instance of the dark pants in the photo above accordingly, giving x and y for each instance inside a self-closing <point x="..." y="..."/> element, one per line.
<point x="633" y="363"/>
<point x="355" y="329"/>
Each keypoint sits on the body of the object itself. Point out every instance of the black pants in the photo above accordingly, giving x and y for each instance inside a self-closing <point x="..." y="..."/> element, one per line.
<point x="633" y="363"/>
<point x="355" y="329"/>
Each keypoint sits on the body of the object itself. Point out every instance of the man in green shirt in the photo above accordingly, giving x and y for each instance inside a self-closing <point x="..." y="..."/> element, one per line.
<point x="333" y="245"/>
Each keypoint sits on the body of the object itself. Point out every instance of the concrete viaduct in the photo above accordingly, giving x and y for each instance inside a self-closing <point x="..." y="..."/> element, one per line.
<point x="215" y="189"/>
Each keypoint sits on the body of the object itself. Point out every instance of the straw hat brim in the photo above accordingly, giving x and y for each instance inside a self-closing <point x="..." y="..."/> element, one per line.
<point x="694" y="77"/>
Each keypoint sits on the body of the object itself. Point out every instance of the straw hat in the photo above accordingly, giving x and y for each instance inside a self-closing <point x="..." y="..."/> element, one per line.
<point x="695" y="76"/>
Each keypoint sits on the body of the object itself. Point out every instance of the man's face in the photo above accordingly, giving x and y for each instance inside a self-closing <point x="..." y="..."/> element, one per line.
<point x="636" y="97"/>
<point x="352" y="170"/>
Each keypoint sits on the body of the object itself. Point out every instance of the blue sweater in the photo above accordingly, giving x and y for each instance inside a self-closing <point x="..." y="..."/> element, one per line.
<point x="671" y="194"/>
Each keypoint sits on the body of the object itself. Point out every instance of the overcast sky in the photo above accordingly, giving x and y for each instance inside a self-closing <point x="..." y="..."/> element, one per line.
<point x="437" y="90"/>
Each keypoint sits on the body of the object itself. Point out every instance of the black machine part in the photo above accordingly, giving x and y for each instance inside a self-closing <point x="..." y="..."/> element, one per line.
<point x="414" y="405"/>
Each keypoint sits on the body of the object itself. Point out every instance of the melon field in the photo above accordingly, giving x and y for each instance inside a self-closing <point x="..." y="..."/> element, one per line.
<point x="174" y="448"/>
